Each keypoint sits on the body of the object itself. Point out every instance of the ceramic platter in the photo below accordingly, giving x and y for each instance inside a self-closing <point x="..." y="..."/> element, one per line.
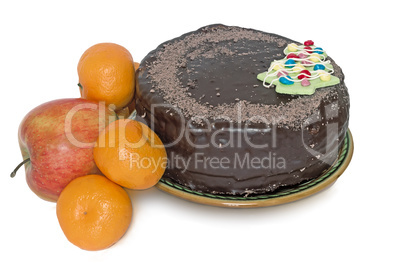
<point x="279" y="197"/>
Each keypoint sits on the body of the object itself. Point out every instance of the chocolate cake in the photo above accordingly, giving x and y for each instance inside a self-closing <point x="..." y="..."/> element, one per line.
<point x="225" y="131"/>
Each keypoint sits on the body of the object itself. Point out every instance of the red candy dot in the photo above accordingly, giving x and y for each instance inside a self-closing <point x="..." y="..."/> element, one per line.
<point x="292" y="55"/>
<point x="308" y="49"/>
<point x="304" y="74"/>
<point x="308" y="43"/>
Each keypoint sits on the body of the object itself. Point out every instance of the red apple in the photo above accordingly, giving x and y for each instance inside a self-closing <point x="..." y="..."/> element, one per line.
<point x="56" y="141"/>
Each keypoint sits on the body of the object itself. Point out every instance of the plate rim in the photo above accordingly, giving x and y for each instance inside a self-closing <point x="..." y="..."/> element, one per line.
<point x="201" y="198"/>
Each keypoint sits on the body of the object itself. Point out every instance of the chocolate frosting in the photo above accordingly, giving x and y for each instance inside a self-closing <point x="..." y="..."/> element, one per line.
<point x="224" y="132"/>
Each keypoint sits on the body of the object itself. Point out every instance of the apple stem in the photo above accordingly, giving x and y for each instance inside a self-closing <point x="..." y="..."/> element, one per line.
<point x="12" y="175"/>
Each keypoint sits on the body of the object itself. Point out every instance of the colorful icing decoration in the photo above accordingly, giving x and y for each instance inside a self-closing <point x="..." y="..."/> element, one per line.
<point x="282" y="73"/>
<point x="292" y="56"/>
<point x="308" y="49"/>
<point x="303" y="69"/>
<point x="299" y="67"/>
<point x="318" y="50"/>
<point x="304" y="74"/>
<point x="286" y="80"/>
<point x="309" y="43"/>
<point x="290" y="63"/>
<point x="305" y="83"/>
<point x="303" y="55"/>
<point x="319" y="67"/>
<point x="293" y="47"/>
<point x="307" y="63"/>
<point x="278" y="66"/>
<point x="324" y="76"/>
<point x="315" y="57"/>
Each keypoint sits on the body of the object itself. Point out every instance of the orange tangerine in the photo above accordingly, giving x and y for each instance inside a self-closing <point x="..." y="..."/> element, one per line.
<point x="94" y="212"/>
<point x="130" y="154"/>
<point x="106" y="73"/>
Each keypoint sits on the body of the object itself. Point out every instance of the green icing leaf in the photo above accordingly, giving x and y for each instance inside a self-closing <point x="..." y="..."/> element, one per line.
<point x="297" y="88"/>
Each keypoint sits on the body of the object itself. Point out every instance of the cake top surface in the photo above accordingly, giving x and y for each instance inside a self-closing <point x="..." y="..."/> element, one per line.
<point x="212" y="73"/>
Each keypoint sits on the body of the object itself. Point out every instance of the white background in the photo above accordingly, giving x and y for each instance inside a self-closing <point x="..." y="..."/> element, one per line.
<point x="354" y="223"/>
